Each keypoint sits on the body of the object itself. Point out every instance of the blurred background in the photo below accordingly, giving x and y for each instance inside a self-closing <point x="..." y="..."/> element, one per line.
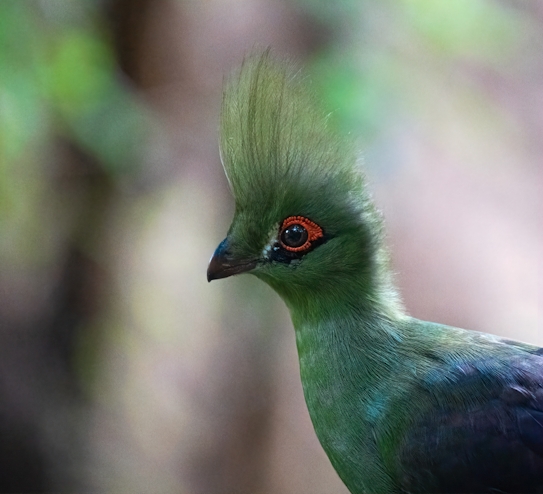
<point x="121" y="369"/>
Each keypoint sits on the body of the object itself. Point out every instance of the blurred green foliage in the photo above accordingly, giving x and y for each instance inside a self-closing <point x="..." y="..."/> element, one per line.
<point x="58" y="80"/>
<point x="364" y="75"/>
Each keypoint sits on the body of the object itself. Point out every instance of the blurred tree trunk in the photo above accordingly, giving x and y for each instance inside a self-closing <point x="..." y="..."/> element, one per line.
<point x="47" y="307"/>
<point x="41" y="324"/>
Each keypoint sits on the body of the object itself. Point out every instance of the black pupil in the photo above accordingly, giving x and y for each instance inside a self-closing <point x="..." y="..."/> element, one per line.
<point x="294" y="236"/>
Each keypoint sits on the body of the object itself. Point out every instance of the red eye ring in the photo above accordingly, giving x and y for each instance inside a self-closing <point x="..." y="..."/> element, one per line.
<point x="314" y="232"/>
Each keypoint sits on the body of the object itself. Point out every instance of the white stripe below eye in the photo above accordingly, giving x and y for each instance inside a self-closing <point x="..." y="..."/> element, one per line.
<point x="272" y="240"/>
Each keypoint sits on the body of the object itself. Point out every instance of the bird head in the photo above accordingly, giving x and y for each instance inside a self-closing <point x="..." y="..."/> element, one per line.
<point x="303" y="220"/>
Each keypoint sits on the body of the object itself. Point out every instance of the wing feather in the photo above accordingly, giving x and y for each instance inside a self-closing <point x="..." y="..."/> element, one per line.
<point x="494" y="446"/>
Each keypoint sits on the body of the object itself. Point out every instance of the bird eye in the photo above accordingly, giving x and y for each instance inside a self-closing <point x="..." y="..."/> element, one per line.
<point x="297" y="233"/>
<point x="294" y="236"/>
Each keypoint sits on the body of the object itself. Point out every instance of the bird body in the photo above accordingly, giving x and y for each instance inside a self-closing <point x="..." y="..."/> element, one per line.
<point x="398" y="404"/>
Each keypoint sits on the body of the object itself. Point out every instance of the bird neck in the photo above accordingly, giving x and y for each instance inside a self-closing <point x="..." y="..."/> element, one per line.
<point x="347" y="337"/>
<point x="361" y="331"/>
<point x="366" y="295"/>
<point x="347" y="359"/>
<point x="353" y="317"/>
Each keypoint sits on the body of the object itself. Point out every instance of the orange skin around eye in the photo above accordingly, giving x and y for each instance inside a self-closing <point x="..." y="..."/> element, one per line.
<point x="314" y="232"/>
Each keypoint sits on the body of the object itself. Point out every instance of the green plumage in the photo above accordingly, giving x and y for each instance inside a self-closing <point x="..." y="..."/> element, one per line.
<point x="399" y="405"/>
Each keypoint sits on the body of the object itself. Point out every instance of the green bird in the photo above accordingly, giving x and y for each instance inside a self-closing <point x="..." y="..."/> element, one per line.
<point x="398" y="404"/>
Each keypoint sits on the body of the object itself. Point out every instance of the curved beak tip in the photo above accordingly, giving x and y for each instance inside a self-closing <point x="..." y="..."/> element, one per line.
<point x="223" y="265"/>
<point x="214" y="268"/>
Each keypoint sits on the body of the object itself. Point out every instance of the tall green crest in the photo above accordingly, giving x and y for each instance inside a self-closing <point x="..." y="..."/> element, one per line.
<point x="274" y="133"/>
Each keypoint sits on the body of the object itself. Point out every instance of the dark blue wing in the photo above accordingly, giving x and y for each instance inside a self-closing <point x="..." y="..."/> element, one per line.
<point x="495" y="446"/>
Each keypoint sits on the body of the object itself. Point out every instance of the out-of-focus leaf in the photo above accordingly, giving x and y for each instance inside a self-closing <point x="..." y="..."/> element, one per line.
<point x="79" y="72"/>
<point x="473" y="29"/>
<point x="57" y="78"/>
<point x="359" y="95"/>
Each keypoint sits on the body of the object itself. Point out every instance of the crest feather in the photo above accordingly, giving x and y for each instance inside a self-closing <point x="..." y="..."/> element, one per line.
<point x="273" y="133"/>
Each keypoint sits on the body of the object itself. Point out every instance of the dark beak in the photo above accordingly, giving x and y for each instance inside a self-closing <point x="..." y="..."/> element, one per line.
<point x="223" y="265"/>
